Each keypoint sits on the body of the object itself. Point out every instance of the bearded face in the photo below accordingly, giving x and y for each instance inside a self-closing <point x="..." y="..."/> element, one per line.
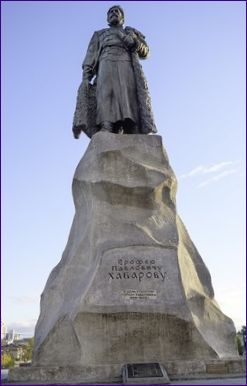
<point x="115" y="16"/>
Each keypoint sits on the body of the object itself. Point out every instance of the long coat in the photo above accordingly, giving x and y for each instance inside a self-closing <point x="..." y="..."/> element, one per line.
<point x="119" y="90"/>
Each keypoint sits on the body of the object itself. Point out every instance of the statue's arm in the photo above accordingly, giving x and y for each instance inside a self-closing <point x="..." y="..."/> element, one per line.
<point x="89" y="64"/>
<point x="138" y="42"/>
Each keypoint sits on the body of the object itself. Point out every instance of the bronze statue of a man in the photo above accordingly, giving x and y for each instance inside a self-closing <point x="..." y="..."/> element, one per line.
<point x="113" y="95"/>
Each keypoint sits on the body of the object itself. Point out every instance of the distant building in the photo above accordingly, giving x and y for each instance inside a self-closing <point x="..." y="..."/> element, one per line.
<point x="12" y="336"/>
<point x="3" y="330"/>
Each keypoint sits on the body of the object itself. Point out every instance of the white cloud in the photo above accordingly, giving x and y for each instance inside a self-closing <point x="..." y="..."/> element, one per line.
<point x="217" y="177"/>
<point x="207" y="169"/>
<point x="219" y="166"/>
<point x="198" y="170"/>
<point x="215" y="172"/>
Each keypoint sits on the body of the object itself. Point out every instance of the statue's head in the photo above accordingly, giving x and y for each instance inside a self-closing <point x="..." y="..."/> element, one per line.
<point x="115" y="16"/>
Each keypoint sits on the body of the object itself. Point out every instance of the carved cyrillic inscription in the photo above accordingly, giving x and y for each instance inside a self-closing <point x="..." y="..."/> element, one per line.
<point x="139" y="269"/>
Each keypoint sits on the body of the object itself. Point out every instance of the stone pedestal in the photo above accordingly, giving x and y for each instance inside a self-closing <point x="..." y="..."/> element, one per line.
<point x="131" y="286"/>
<point x="176" y="370"/>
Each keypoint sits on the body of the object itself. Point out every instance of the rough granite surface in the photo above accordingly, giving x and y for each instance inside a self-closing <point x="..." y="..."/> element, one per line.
<point x="131" y="286"/>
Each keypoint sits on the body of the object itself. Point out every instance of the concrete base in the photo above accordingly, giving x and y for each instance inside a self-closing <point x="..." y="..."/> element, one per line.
<point x="211" y="368"/>
<point x="67" y="375"/>
<point x="112" y="373"/>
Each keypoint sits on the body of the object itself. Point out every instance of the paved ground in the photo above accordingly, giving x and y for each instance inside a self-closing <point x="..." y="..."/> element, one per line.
<point x="225" y="381"/>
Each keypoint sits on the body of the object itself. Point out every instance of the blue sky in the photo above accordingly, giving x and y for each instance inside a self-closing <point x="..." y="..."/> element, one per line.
<point x="196" y="76"/>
